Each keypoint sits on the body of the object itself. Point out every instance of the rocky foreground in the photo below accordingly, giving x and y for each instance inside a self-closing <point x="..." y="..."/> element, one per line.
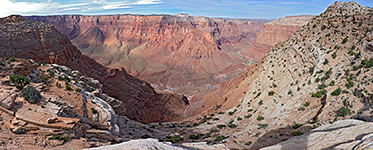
<point x="342" y="134"/>
<point x="322" y="74"/>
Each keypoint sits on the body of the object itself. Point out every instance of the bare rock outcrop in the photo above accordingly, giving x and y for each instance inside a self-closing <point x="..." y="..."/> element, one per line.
<point x="342" y="134"/>
<point x="152" y="144"/>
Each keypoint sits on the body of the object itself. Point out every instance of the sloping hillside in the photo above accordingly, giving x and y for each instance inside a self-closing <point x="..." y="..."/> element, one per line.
<point x="320" y="75"/>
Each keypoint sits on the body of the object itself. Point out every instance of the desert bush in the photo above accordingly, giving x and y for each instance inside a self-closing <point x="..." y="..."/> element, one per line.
<point x="220" y="138"/>
<point x="336" y="92"/>
<point x="19" y="81"/>
<point x="262" y="125"/>
<point x="296" y="133"/>
<point x="60" y="137"/>
<point x="176" y="138"/>
<point x="31" y="95"/>
<point x="260" y="118"/>
<point x="343" y="111"/>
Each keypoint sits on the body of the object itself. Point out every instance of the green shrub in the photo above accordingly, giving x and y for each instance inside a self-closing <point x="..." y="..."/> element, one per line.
<point x="350" y="52"/>
<point x="248" y="143"/>
<point x="271" y="93"/>
<point x="297" y="125"/>
<point x="231" y="125"/>
<point x="239" y="118"/>
<point x="257" y="95"/>
<point x="306" y="104"/>
<point x="262" y="125"/>
<point x="12" y="59"/>
<point x="260" y="118"/>
<point x="232" y="112"/>
<point x="221" y="112"/>
<point x="78" y="90"/>
<point x="214" y="130"/>
<point x="31" y="94"/>
<point x="248" y="116"/>
<point x="319" y="94"/>
<point x="336" y="92"/>
<point x="58" y="85"/>
<point x="367" y="63"/>
<point x="274" y="85"/>
<point x="94" y="111"/>
<point x="326" y="61"/>
<point x="220" y="138"/>
<point x="220" y="126"/>
<point x="321" y="86"/>
<point x="60" y="137"/>
<point x="354" y="67"/>
<point x="344" y="40"/>
<point x="334" y="55"/>
<point x="260" y="102"/>
<point x="301" y="109"/>
<point x="68" y="88"/>
<point x="19" y="81"/>
<point x="176" y="138"/>
<point x="290" y="92"/>
<point x="45" y="80"/>
<point x="195" y="137"/>
<point x="343" y="111"/>
<point x="332" y="83"/>
<point x="296" y="133"/>
<point x="51" y="73"/>
<point x="311" y="70"/>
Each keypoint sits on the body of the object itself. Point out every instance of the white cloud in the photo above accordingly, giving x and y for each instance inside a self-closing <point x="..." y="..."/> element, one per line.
<point x="99" y="1"/>
<point x="115" y="6"/>
<point x="9" y="7"/>
<point x="147" y="2"/>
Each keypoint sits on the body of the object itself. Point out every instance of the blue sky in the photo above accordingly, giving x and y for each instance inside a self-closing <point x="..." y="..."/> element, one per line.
<point x="213" y="8"/>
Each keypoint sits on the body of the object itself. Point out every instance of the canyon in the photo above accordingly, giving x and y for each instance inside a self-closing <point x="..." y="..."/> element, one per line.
<point x="184" y="54"/>
<point x="39" y="43"/>
<point x="181" y="53"/>
<point x="299" y="82"/>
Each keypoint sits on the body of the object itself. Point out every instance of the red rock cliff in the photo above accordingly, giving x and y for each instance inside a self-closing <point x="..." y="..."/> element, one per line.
<point x="177" y="53"/>
<point x="35" y="40"/>
<point x="274" y="32"/>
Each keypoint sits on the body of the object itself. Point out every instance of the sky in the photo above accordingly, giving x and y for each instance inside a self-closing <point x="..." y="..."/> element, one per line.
<point x="268" y="9"/>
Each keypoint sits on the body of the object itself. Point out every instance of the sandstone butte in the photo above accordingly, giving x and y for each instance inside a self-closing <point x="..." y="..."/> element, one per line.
<point x="39" y="41"/>
<point x="181" y="53"/>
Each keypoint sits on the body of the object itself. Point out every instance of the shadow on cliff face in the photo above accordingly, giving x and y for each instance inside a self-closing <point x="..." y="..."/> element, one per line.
<point x="278" y="135"/>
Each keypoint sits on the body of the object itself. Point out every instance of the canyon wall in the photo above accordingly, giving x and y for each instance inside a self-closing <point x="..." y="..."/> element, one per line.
<point x="275" y="32"/>
<point x="180" y="53"/>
